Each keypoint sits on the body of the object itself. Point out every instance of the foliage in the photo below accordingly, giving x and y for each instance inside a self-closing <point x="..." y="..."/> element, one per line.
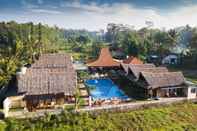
<point x="178" y="117"/>
<point x="78" y="100"/>
<point x="20" y="44"/>
<point x="83" y="75"/>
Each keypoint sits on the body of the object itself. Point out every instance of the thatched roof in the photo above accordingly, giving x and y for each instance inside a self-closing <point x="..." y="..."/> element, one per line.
<point x="53" y="61"/>
<point x="136" y="69"/>
<point x="127" y="67"/>
<point x="164" y="79"/>
<point x="105" y="60"/>
<point x="132" y="60"/>
<point x="51" y="74"/>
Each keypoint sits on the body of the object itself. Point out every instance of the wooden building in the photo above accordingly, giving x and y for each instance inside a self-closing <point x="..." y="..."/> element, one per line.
<point x="163" y="84"/>
<point x="154" y="81"/>
<point x="49" y="81"/>
<point x="132" y="70"/>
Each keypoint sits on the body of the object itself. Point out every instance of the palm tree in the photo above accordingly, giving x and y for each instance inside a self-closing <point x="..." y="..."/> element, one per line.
<point x="78" y="100"/>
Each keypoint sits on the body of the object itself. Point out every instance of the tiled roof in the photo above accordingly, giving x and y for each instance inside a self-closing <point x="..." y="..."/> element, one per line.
<point x="51" y="74"/>
<point x="164" y="79"/>
<point x="105" y="60"/>
<point x="132" y="60"/>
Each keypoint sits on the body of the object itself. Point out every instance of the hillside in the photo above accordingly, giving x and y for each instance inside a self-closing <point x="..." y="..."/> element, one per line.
<point x="175" y="117"/>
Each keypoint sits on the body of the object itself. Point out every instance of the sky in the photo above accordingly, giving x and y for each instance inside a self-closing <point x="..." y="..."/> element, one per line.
<point x="96" y="14"/>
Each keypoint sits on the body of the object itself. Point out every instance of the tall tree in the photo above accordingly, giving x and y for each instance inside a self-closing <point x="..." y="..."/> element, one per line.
<point x="40" y="38"/>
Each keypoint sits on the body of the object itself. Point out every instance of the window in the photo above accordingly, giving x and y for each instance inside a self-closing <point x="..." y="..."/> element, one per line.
<point x="193" y="90"/>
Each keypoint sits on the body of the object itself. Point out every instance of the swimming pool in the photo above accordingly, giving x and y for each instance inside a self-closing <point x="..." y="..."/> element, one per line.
<point x="104" y="89"/>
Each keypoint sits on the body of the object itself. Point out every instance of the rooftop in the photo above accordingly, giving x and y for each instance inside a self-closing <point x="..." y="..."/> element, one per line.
<point x="164" y="79"/>
<point x="50" y="74"/>
<point x="105" y="60"/>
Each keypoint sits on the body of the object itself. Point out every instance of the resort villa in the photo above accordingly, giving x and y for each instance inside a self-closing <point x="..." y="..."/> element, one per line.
<point x="150" y="81"/>
<point x="48" y="82"/>
<point x="163" y="84"/>
<point x="51" y="81"/>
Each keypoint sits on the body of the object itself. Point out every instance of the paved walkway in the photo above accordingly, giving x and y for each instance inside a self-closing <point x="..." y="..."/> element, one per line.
<point x="136" y="105"/>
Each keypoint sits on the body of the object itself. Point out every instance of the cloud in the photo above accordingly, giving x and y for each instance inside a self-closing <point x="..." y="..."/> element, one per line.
<point x="28" y="4"/>
<point x="93" y="16"/>
<point x="45" y="11"/>
<point x="100" y="15"/>
<point x="82" y="7"/>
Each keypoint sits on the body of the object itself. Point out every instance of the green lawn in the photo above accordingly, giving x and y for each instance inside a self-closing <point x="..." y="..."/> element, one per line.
<point x="179" y="117"/>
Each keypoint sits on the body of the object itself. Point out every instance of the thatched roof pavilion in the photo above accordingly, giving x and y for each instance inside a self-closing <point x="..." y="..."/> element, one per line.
<point x="152" y="80"/>
<point x="104" y="60"/>
<point x="51" y="74"/>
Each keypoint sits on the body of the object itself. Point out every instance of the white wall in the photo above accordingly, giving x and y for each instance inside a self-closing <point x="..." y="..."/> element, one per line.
<point x="191" y="95"/>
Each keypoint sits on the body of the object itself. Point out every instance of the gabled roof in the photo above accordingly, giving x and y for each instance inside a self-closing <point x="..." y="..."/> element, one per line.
<point x="52" y="61"/>
<point x="105" y="60"/>
<point x="125" y="67"/>
<point x="132" y="60"/>
<point x="136" y="69"/>
<point x="51" y="74"/>
<point x="164" y="79"/>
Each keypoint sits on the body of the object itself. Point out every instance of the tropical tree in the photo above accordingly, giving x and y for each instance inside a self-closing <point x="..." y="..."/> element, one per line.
<point x="78" y="100"/>
<point x="193" y="43"/>
<point x="11" y="59"/>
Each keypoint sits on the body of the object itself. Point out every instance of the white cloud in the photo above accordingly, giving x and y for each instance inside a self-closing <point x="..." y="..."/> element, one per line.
<point x="97" y="16"/>
<point x="94" y="17"/>
<point x="45" y="11"/>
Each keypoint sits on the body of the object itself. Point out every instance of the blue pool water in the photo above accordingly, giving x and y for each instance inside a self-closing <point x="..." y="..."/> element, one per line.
<point x="104" y="89"/>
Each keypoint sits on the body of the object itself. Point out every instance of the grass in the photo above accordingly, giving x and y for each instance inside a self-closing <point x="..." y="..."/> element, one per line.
<point x="179" y="117"/>
<point x="2" y="126"/>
